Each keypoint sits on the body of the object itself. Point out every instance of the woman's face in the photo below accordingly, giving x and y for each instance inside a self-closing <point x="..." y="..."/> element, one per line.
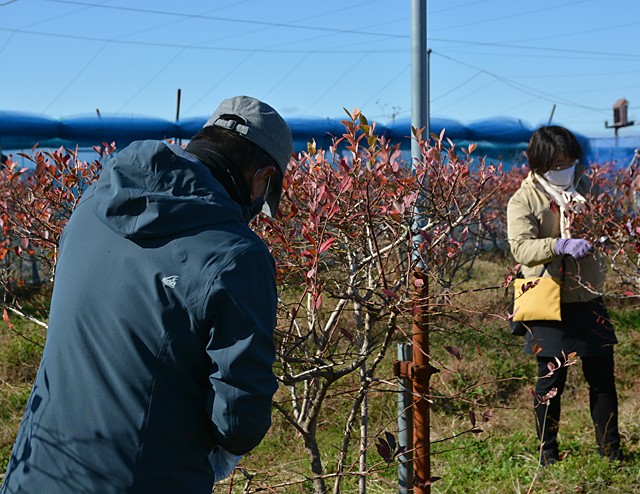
<point x="561" y="161"/>
<point x="561" y="171"/>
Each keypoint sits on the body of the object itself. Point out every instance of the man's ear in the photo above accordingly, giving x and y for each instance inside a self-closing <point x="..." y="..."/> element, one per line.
<point x="258" y="182"/>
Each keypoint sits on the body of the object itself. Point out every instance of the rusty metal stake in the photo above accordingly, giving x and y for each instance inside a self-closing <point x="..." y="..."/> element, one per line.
<point x="420" y="371"/>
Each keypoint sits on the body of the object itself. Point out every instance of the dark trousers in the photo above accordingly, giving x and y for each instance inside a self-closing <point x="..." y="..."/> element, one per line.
<point x="603" y="403"/>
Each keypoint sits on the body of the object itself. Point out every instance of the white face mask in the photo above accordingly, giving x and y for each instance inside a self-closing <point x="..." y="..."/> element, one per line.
<point x="561" y="178"/>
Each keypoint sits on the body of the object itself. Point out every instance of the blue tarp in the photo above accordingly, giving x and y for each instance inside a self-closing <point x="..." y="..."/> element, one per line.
<point x="19" y="130"/>
<point x="498" y="138"/>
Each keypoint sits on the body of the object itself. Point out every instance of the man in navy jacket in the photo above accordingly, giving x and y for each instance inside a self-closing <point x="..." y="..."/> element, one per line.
<point x="156" y="374"/>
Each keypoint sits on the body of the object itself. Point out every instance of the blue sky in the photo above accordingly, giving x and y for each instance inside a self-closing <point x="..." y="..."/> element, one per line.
<point x="310" y="59"/>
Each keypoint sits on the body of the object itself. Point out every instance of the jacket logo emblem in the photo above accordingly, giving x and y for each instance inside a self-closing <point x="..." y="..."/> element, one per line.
<point x="170" y="281"/>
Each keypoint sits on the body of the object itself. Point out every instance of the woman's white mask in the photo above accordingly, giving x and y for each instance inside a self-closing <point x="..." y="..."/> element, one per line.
<point x="561" y="178"/>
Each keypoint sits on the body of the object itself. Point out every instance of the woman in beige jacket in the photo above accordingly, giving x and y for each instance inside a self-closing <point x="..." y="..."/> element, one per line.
<point x="539" y="234"/>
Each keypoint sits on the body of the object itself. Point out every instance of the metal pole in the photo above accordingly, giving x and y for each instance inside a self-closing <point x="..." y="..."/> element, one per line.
<point x="419" y="90"/>
<point x="364" y="433"/>
<point x="178" y="105"/>
<point x="427" y="68"/>
<point x="405" y="426"/>
<point x="553" y="110"/>
<point x="421" y="368"/>
<point x="178" y="110"/>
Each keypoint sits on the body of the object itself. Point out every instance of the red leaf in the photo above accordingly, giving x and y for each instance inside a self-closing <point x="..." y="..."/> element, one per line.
<point x="429" y="482"/>
<point x="391" y="440"/>
<point x="390" y="293"/>
<point x="326" y="244"/>
<point x="347" y="335"/>
<point x="400" y="451"/>
<point x="345" y="185"/>
<point x="455" y="351"/>
<point x="472" y="418"/>
<point x="383" y="450"/>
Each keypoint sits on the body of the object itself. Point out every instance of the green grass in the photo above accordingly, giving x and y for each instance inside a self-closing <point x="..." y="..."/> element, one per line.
<point x="20" y="351"/>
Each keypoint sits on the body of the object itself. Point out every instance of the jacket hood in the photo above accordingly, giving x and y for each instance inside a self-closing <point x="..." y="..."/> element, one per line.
<point x="152" y="189"/>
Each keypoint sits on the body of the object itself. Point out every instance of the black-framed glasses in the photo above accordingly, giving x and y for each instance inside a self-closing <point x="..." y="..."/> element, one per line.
<point x="563" y="165"/>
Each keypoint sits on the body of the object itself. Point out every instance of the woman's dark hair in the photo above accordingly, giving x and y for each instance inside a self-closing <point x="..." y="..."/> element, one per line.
<point x="245" y="155"/>
<point x="546" y="143"/>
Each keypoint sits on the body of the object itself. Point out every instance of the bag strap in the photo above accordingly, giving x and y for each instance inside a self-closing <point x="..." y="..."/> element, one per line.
<point x="544" y="268"/>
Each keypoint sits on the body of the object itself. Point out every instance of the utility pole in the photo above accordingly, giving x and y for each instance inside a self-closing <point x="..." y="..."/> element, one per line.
<point x="419" y="79"/>
<point x="620" y="119"/>
<point x="419" y="120"/>
<point x="419" y="370"/>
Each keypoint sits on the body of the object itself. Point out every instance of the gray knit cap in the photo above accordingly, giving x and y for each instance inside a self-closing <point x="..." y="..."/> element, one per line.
<point x="263" y="126"/>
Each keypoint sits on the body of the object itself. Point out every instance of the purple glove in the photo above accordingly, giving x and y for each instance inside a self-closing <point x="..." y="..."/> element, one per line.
<point x="575" y="247"/>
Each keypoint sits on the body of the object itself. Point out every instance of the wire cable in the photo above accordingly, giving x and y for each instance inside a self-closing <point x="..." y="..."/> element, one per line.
<point x="330" y="88"/>
<point x="226" y="76"/>
<point x="170" y="62"/>
<point x="540" y="48"/>
<point x="454" y="89"/>
<point x="292" y="50"/>
<point x="49" y="20"/>
<point x="521" y="87"/>
<point x="150" y="80"/>
<point x="76" y="76"/>
<point x="233" y="20"/>
<point x="285" y="76"/>
<point x="290" y="71"/>
<point x="391" y="81"/>
<point x="194" y="47"/>
<point x="509" y="16"/>
<point x="304" y="57"/>
<point x="579" y="33"/>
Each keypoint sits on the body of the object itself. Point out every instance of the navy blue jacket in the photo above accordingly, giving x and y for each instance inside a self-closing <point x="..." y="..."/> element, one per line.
<point x="160" y="339"/>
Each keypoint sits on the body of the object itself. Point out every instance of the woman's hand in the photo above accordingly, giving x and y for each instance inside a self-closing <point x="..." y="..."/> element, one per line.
<point x="574" y="247"/>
